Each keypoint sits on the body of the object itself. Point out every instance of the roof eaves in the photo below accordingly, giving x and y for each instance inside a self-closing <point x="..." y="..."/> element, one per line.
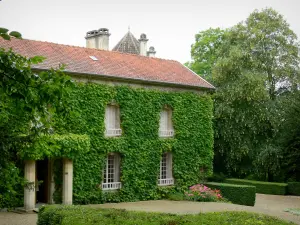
<point x="137" y="80"/>
<point x="213" y="87"/>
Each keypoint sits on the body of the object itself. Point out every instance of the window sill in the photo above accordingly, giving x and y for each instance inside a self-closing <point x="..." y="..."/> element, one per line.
<point x="111" y="186"/>
<point x="113" y="133"/>
<point x="166" y="182"/>
<point x="166" y="133"/>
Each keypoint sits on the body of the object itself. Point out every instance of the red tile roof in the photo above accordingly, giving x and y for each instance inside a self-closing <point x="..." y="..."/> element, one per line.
<point x="109" y="63"/>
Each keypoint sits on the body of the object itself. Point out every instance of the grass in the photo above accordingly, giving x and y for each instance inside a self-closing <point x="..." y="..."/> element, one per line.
<point x="295" y="211"/>
<point x="79" y="215"/>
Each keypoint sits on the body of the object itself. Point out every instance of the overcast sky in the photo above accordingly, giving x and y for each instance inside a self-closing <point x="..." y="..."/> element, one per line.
<point x="170" y="25"/>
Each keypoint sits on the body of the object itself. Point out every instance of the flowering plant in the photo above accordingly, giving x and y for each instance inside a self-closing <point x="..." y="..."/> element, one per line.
<point x="201" y="193"/>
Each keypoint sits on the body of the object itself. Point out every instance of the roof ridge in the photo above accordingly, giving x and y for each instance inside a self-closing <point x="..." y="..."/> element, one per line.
<point x="109" y="64"/>
<point x="95" y="49"/>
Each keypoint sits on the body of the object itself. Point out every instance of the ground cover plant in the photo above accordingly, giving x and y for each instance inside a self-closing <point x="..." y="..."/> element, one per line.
<point x="295" y="211"/>
<point x="79" y="215"/>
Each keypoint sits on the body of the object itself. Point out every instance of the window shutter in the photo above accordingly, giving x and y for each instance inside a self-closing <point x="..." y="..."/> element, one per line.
<point x="117" y="118"/>
<point x="170" y="124"/>
<point x="112" y="117"/>
<point x="169" y="165"/>
<point x="106" y="119"/>
<point x="163" y="120"/>
<point x="105" y="171"/>
<point x="117" y="160"/>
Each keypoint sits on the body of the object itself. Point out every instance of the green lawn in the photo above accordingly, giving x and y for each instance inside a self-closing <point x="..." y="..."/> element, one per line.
<point x="79" y="215"/>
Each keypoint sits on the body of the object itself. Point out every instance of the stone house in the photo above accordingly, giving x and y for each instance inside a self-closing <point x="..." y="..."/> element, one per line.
<point x="166" y="87"/>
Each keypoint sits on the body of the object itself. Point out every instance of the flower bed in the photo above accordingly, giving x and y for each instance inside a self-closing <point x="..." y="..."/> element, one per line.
<point x="202" y="193"/>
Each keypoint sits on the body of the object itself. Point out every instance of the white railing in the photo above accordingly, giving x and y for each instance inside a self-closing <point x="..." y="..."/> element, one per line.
<point x="111" y="186"/>
<point x="166" y="133"/>
<point x="113" y="132"/>
<point x="164" y="182"/>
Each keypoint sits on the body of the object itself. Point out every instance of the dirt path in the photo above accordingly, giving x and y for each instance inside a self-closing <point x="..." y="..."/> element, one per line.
<point x="272" y="205"/>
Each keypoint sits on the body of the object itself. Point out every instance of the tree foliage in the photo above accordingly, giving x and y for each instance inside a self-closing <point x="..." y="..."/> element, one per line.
<point x="28" y="100"/>
<point x="5" y="34"/>
<point x="204" y="51"/>
<point x="255" y="67"/>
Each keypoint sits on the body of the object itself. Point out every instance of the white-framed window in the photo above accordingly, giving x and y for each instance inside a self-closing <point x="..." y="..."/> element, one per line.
<point x="111" y="172"/>
<point x="112" y="121"/>
<point x="166" y="173"/>
<point x="165" y="124"/>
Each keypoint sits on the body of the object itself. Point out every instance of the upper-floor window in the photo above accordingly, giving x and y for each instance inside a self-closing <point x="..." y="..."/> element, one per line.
<point x="112" y="121"/>
<point x="165" y="125"/>
<point x="111" y="172"/>
<point x="166" y="174"/>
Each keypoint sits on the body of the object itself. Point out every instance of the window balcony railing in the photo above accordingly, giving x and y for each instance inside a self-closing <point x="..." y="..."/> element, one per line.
<point x="166" y="133"/>
<point x="111" y="186"/>
<point x="165" y="182"/>
<point x="113" y="132"/>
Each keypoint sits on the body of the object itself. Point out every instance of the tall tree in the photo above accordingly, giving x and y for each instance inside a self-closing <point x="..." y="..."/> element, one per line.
<point x="256" y="63"/>
<point x="204" y="51"/>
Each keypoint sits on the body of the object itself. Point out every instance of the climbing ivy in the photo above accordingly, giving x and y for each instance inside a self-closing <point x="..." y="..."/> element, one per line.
<point x="139" y="146"/>
<point x="63" y="146"/>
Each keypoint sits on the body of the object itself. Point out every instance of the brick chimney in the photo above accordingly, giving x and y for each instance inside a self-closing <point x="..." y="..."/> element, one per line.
<point x="98" y="39"/>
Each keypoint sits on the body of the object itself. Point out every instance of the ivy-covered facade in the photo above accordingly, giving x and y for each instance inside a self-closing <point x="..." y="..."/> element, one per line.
<point x="161" y="139"/>
<point x="139" y="146"/>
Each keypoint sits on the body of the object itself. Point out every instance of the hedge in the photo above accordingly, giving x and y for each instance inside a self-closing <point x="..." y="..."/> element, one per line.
<point x="237" y="194"/>
<point x="262" y="187"/>
<point x="294" y="188"/>
<point x="79" y="215"/>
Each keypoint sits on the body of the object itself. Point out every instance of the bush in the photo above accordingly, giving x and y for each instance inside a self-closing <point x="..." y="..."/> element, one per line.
<point x="176" y="196"/>
<point x="201" y="193"/>
<point x="237" y="194"/>
<point x="79" y="215"/>
<point x="217" y="177"/>
<point x="294" y="188"/>
<point x="271" y="188"/>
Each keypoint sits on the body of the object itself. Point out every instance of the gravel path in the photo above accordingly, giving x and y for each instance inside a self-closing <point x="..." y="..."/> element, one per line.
<point x="272" y="205"/>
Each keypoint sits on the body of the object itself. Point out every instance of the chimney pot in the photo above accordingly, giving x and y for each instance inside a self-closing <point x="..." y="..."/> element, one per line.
<point x="143" y="44"/>
<point x="98" y="39"/>
<point x="151" y="52"/>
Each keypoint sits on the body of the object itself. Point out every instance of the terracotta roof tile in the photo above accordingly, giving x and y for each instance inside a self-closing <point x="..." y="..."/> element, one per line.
<point x="109" y="63"/>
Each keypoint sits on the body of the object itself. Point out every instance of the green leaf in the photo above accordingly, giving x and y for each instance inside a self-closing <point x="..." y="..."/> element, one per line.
<point x="3" y="30"/>
<point x="15" y="34"/>
<point x="37" y="59"/>
<point x="5" y="36"/>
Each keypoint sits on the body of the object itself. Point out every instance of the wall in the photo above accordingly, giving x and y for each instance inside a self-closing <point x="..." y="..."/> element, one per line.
<point x="140" y="147"/>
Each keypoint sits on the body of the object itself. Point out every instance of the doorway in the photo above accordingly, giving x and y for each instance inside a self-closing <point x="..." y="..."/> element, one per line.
<point x="42" y="179"/>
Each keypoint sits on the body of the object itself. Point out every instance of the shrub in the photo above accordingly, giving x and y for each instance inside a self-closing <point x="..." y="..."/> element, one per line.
<point x="79" y="215"/>
<point x="217" y="177"/>
<point x="294" y="188"/>
<point x="237" y="194"/>
<point x="201" y="193"/>
<point x="262" y="187"/>
<point x="176" y="196"/>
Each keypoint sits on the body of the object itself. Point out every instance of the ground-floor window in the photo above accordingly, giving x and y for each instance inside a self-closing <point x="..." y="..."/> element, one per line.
<point x="111" y="172"/>
<point x="166" y="174"/>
